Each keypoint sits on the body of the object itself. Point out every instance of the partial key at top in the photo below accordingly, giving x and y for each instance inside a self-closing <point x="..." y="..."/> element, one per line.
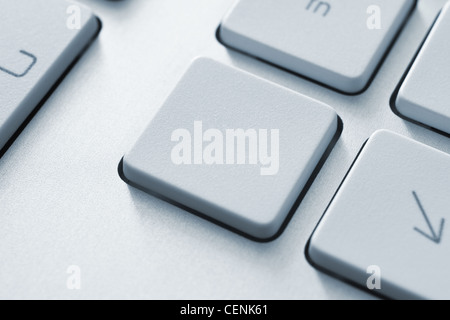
<point x="336" y="42"/>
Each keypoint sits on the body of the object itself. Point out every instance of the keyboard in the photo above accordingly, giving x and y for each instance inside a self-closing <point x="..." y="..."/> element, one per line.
<point x="249" y="149"/>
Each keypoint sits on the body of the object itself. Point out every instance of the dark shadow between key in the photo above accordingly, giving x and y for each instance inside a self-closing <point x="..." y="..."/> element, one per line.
<point x="294" y="208"/>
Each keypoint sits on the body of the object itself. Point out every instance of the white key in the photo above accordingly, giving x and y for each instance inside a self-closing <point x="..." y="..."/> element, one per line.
<point x="387" y="228"/>
<point x="189" y="154"/>
<point x="339" y="43"/>
<point x="39" y="39"/>
<point x="424" y="95"/>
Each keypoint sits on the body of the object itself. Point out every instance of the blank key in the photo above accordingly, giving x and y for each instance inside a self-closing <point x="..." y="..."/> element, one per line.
<point x="387" y="229"/>
<point x="232" y="147"/>
<point x="424" y="95"/>
<point x="339" y="43"/>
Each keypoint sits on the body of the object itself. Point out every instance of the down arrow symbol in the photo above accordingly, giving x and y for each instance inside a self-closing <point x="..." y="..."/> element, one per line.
<point x="436" y="238"/>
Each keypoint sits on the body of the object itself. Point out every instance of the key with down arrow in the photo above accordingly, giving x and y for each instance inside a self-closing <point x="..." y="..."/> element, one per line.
<point x="373" y="220"/>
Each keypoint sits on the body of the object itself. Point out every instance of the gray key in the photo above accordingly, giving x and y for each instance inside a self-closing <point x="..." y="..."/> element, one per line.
<point x="39" y="39"/>
<point x="386" y="230"/>
<point x="233" y="147"/>
<point x="337" y="42"/>
<point x="424" y="95"/>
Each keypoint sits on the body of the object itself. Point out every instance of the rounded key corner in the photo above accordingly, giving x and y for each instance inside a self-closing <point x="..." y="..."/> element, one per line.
<point x="312" y="258"/>
<point x="339" y="124"/>
<point x="354" y="92"/>
<point x="222" y="34"/>
<point x="383" y="137"/>
<point x="121" y="172"/>
<point x="99" y="23"/>
<point x="323" y="266"/>
<point x="262" y="238"/>
<point x="381" y="133"/>
<point x="267" y="231"/>
<point x="199" y="60"/>
<point x="309" y="254"/>
<point x="398" y="107"/>
<point x="344" y="89"/>
<point x="397" y="99"/>
<point x="255" y="236"/>
<point x="348" y="85"/>
<point x="122" y="169"/>
<point x="393" y="102"/>
<point x="219" y="34"/>
<point x="356" y="83"/>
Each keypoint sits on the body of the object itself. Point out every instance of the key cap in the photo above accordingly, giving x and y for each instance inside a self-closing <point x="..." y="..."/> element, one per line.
<point x="233" y="147"/>
<point x="387" y="228"/>
<point x="339" y="43"/>
<point x="39" y="39"/>
<point x="424" y="95"/>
